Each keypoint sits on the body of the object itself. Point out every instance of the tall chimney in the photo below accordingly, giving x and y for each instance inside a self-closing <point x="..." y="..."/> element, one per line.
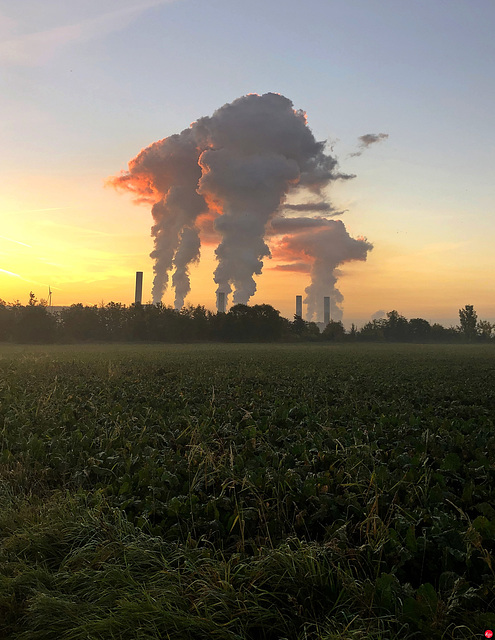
<point x="299" y="306"/>
<point x="139" y="287"/>
<point x="326" y="310"/>
<point x="221" y="302"/>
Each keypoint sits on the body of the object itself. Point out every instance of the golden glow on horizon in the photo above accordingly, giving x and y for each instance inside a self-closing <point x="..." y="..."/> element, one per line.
<point x="94" y="275"/>
<point x="86" y="244"/>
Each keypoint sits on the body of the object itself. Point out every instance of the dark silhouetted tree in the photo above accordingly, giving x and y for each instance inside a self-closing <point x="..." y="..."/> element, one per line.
<point x="112" y="319"/>
<point x="269" y="326"/>
<point x="419" y="330"/>
<point x="373" y="331"/>
<point x="303" y="330"/>
<point x="201" y="323"/>
<point x="313" y="332"/>
<point x="468" y="318"/>
<point x="396" y="327"/>
<point x="299" y="326"/>
<point x="6" y="318"/>
<point x="81" y="324"/>
<point x="353" y="333"/>
<point x="484" y="330"/>
<point x="442" y="334"/>
<point x="33" y="323"/>
<point x="259" y="323"/>
<point x="334" y="331"/>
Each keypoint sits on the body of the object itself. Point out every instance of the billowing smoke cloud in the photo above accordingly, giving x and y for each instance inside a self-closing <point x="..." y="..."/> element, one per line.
<point x="259" y="149"/>
<point x="327" y="244"/>
<point x="187" y="253"/>
<point x="367" y="140"/>
<point x="166" y="175"/>
<point x="248" y="189"/>
<point x="313" y="206"/>
<point x="229" y="175"/>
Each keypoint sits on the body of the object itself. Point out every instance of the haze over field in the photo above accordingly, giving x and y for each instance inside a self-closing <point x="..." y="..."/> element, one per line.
<point x="400" y="92"/>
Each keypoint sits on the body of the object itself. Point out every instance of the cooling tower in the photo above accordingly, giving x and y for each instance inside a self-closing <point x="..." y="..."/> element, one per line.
<point x="139" y="287"/>
<point x="221" y="302"/>
<point x="326" y="310"/>
<point x="299" y="306"/>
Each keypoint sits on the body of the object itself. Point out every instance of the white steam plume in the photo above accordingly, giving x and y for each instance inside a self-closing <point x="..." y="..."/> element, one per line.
<point x="187" y="253"/>
<point x="328" y="245"/>
<point x="241" y="163"/>
<point x="166" y="174"/>
<point x="259" y="149"/>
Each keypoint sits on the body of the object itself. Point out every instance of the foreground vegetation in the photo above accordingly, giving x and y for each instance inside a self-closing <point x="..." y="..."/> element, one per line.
<point x="246" y="492"/>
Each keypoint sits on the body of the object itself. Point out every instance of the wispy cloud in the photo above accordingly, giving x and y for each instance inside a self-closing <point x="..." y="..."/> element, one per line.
<point x="9" y="273"/>
<point x="52" y="264"/>
<point x="16" y="275"/>
<point x="313" y="206"/>
<point x="367" y="140"/>
<point x="16" y="241"/>
<point x="49" y="225"/>
<point x="38" y="210"/>
<point x="72" y="227"/>
<point x="442" y="247"/>
<point x="35" y="49"/>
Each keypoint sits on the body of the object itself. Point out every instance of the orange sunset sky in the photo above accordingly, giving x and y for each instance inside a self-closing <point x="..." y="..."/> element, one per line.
<point x="85" y="88"/>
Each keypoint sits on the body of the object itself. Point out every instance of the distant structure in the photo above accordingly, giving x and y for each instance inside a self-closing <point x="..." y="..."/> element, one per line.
<point x="299" y="306"/>
<point x="221" y="302"/>
<point x="326" y="310"/>
<point x="139" y="288"/>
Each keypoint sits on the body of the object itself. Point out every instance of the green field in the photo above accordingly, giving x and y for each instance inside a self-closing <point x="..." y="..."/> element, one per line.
<point x="247" y="492"/>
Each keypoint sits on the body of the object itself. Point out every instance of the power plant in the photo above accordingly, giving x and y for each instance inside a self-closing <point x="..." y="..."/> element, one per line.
<point x="139" y="288"/>
<point x="221" y="302"/>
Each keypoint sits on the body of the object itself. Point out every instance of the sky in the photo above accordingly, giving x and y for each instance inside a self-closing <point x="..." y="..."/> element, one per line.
<point x="85" y="86"/>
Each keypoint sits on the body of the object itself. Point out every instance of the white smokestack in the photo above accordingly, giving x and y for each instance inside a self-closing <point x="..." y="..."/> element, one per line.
<point x="326" y="310"/>
<point x="139" y="288"/>
<point x="221" y="302"/>
<point x="299" y="306"/>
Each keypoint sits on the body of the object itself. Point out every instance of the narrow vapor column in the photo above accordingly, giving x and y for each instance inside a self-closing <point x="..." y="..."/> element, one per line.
<point x="326" y="310"/>
<point x="139" y="288"/>
<point x="220" y="302"/>
<point x="299" y="306"/>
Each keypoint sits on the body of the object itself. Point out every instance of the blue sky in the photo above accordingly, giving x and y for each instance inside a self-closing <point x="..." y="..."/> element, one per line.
<point x="86" y="85"/>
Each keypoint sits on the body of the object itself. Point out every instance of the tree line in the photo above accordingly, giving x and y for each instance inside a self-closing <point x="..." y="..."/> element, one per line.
<point x="115" y="322"/>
